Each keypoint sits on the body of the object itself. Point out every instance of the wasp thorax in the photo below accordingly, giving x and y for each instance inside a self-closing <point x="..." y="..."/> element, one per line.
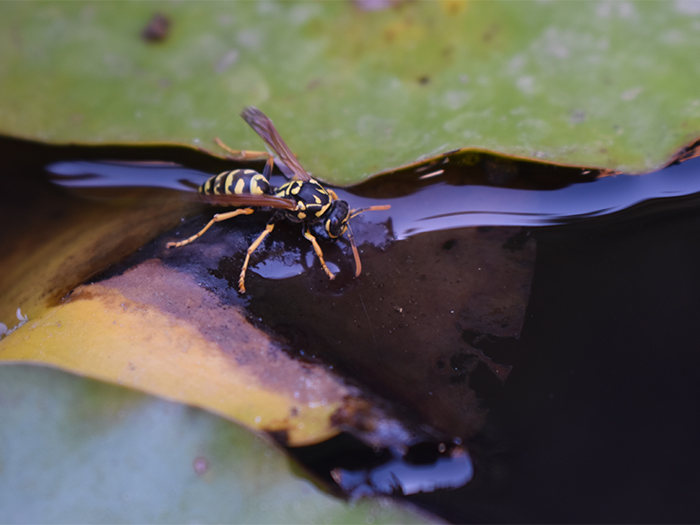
<point x="337" y="221"/>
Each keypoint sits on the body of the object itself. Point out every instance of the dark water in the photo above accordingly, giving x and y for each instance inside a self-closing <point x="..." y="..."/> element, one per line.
<point x="598" y="420"/>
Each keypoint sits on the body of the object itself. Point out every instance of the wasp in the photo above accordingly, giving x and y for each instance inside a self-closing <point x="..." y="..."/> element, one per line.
<point x="302" y="199"/>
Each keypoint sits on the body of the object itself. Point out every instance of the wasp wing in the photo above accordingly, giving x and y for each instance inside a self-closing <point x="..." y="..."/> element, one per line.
<point x="246" y="199"/>
<point x="264" y="127"/>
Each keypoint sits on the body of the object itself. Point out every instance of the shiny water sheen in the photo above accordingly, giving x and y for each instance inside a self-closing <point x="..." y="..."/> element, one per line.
<point x="398" y="476"/>
<point x="437" y="206"/>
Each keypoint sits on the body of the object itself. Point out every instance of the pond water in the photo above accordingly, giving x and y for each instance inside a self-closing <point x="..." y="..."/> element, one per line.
<point x="584" y="405"/>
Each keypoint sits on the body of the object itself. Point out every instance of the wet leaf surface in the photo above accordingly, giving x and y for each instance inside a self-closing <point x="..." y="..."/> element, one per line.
<point x="358" y="91"/>
<point x="410" y="327"/>
<point x="53" y="241"/>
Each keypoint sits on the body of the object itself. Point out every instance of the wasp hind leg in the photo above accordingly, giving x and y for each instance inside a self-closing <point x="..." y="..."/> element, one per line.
<point x="237" y="154"/>
<point x="217" y="218"/>
<point x="268" y="229"/>
<point x="308" y="235"/>
<point x="268" y="168"/>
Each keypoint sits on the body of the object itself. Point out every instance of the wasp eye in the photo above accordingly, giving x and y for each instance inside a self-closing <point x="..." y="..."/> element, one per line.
<point x="337" y="221"/>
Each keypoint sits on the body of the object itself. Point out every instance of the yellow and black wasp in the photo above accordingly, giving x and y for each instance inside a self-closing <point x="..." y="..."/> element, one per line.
<point x="302" y="199"/>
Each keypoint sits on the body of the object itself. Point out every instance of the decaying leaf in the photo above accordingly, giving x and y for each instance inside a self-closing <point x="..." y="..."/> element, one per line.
<point x="155" y="330"/>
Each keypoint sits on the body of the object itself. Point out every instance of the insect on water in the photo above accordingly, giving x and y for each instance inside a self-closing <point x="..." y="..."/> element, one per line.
<point x="301" y="199"/>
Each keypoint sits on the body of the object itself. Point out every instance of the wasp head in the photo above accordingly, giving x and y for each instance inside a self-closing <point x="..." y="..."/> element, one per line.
<point x="336" y="223"/>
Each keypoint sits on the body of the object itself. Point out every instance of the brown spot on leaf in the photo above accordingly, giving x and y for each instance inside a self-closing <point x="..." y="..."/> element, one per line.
<point x="157" y="29"/>
<point x="200" y="465"/>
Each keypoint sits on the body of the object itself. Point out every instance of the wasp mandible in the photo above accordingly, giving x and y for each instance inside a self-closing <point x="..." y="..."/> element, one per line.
<point x="301" y="199"/>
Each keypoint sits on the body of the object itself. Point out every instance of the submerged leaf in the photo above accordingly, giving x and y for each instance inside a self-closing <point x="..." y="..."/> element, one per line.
<point x="420" y="325"/>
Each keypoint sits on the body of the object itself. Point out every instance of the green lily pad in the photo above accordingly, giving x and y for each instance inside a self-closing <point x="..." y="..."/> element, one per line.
<point x="355" y="92"/>
<point x="94" y="453"/>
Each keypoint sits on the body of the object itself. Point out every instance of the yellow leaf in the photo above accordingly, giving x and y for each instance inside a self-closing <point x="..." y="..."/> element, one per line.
<point x="156" y="330"/>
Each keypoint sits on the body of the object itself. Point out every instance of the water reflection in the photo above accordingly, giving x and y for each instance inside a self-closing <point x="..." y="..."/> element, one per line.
<point x="400" y="476"/>
<point x="435" y="204"/>
<point x="461" y="206"/>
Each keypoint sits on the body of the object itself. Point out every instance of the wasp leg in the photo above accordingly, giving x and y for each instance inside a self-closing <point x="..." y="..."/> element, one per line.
<point x="318" y="251"/>
<point x="268" y="168"/>
<point x="268" y="229"/>
<point x="217" y="218"/>
<point x="242" y="154"/>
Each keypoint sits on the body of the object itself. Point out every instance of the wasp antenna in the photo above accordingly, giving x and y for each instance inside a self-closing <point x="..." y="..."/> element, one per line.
<point x="355" y="213"/>
<point x="355" y="253"/>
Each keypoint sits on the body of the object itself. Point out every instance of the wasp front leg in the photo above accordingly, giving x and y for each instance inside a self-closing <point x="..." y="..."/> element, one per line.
<point x="308" y="235"/>
<point x="268" y="229"/>
<point x="217" y="218"/>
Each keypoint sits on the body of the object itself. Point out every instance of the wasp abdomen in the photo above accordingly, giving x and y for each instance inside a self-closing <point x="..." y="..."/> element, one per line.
<point x="237" y="182"/>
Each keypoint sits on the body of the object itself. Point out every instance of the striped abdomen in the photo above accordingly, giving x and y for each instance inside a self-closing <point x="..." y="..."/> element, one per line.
<point x="236" y="182"/>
